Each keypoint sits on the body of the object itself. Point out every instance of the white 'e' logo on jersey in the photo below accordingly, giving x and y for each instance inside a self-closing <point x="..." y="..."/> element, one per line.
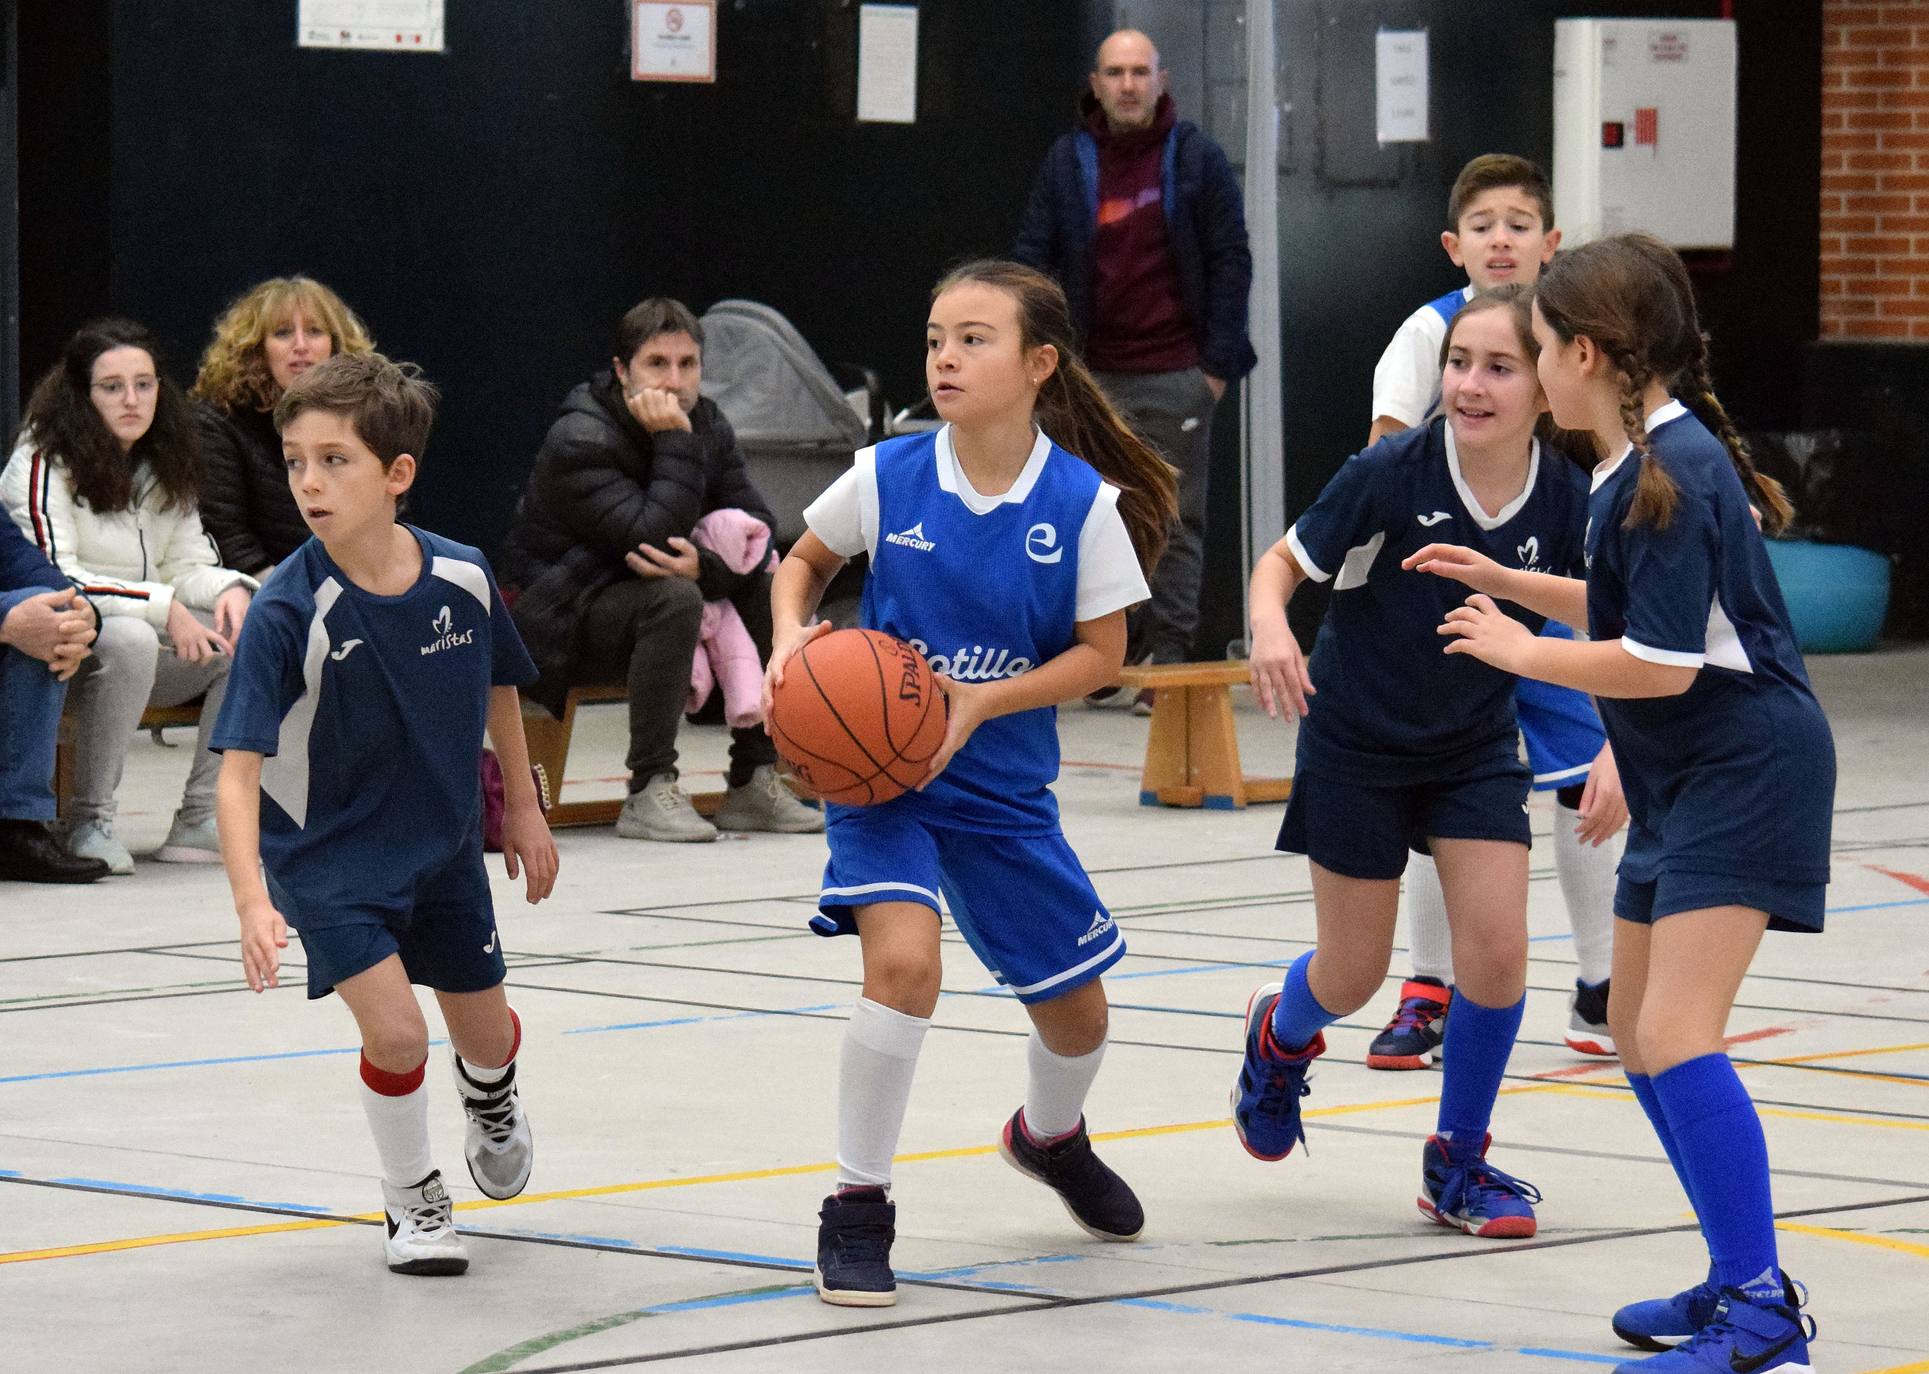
<point x="1041" y="544"/>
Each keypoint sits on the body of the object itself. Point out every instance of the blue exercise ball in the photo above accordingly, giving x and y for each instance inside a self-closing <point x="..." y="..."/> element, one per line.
<point x="1837" y="594"/>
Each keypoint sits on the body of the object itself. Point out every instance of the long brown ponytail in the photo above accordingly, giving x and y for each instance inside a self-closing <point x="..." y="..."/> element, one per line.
<point x="1631" y="296"/>
<point x="1075" y="412"/>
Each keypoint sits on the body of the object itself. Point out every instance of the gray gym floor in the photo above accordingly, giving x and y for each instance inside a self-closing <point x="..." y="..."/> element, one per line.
<point x="186" y="1181"/>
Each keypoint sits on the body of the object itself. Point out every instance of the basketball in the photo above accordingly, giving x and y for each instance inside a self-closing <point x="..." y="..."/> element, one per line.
<point x="859" y="717"/>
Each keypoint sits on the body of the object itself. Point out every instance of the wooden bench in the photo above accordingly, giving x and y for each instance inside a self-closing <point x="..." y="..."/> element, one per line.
<point x="549" y="750"/>
<point x="1192" y="752"/>
<point x="154" y="718"/>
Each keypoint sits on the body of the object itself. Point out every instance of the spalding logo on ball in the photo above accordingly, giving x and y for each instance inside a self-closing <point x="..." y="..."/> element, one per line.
<point x="858" y="717"/>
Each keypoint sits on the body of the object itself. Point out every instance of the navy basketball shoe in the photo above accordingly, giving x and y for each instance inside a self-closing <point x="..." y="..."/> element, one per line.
<point x="1745" y="1335"/>
<point x="854" y="1234"/>
<point x="1098" y="1199"/>
<point x="1587" y="1023"/>
<point x="1461" y="1190"/>
<point x="1265" y="1098"/>
<point x="1412" y="1039"/>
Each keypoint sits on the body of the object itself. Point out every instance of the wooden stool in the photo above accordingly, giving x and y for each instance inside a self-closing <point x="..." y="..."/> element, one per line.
<point x="154" y="718"/>
<point x="1192" y="752"/>
<point x="549" y="750"/>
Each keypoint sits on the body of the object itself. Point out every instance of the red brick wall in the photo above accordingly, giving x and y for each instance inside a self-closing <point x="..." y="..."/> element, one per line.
<point x="1875" y="169"/>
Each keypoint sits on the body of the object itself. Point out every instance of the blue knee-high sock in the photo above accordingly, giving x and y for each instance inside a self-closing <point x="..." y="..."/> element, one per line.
<point x="1725" y="1162"/>
<point x="1479" y="1039"/>
<point x="1298" y="1015"/>
<point x="1651" y="1104"/>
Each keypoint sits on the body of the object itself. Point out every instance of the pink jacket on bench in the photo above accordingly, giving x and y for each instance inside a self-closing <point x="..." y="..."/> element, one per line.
<point x="725" y="655"/>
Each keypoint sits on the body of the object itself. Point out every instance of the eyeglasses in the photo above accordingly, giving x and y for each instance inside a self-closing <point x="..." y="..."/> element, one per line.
<point x="115" y="389"/>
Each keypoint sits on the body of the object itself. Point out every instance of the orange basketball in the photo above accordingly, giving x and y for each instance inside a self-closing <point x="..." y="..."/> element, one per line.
<point x="859" y="717"/>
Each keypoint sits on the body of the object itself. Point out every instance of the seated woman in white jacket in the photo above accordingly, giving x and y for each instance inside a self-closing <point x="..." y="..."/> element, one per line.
<point x="104" y="479"/>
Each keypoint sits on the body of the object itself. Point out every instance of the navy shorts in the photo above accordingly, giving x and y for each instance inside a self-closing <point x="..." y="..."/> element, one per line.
<point x="1790" y="906"/>
<point x="1359" y="831"/>
<point x="1022" y="902"/>
<point x="446" y="934"/>
<point x="1559" y="725"/>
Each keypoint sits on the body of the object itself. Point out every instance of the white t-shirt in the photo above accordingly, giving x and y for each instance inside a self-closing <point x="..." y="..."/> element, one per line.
<point x="1406" y="381"/>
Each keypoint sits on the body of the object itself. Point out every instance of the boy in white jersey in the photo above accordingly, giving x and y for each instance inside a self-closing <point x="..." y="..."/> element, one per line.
<point x="1500" y="217"/>
<point x="353" y="732"/>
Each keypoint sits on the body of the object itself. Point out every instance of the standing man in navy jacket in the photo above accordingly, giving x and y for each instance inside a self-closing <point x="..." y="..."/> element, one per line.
<point x="45" y="628"/>
<point x="1138" y="215"/>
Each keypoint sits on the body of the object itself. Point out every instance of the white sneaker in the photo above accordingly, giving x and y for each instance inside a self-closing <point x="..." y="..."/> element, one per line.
<point x="498" y="1144"/>
<point x="95" y="840"/>
<point x="421" y="1229"/>
<point x="663" y="811"/>
<point x="190" y="843"/>
<point x="767" y="803"/>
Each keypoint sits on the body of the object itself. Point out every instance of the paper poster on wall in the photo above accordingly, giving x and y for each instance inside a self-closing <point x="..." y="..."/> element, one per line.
<point x="387" y="25"/>
<point x="887" y="64"/>
<point x="1400" y="79"/>
<point x="674" y="42"/>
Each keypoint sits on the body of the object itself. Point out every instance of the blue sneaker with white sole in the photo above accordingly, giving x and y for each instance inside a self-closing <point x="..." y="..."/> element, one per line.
<point x="1663" y="1323"/>
<point x="1265" y="1099"/>
<point x="1744" y="1335"/>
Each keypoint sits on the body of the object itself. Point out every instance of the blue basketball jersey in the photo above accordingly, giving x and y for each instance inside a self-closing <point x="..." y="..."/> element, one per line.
<point x="1701" y="594"/>
<point x="370" y="710"/>
<point x="1390" y="706"/>
<point x="985" y="588"/>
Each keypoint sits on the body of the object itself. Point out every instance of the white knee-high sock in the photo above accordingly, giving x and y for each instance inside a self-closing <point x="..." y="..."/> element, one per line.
<point x="398" y="1116"/>
<point x="1587" y="874"/>
<point x="1055" y="1089"/>
<point x="873" y="1088"/>
<point x="1429" y="940"/>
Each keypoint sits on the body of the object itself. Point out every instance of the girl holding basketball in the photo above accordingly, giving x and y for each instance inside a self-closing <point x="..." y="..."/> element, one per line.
<point x="1725" y="754"/>
<point x="1010" y="561"/>
<point x="1403" y="749"/>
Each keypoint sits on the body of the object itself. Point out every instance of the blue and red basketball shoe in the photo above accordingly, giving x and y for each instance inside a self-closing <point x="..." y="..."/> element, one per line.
<point x="1265" y="1099"/>
<point x="1412" y="1039"/>
<point x="1460" y="1189"/>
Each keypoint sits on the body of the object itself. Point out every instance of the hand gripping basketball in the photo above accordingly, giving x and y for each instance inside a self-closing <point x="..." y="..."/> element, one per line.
<point x="858" y="717"/>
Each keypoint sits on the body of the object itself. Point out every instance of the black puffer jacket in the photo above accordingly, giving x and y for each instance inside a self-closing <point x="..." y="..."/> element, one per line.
<point x="245" y="501"/>
<point x="602" y="484"/>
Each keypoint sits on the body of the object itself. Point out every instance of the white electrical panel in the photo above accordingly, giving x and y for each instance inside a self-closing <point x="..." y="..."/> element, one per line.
<point x="1644" y="129"/>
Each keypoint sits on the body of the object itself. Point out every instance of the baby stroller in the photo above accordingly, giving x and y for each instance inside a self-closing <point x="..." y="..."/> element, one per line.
<point x="797" y="422"/>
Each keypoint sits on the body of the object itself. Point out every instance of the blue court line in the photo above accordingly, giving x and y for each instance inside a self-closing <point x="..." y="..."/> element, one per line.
<point x="108" y="1185"/>
<point x="1878" y="906"/>
<point x="1374" y="1332"/>
<point x="699" y="1020"/>
<point x="187" y="1063"/>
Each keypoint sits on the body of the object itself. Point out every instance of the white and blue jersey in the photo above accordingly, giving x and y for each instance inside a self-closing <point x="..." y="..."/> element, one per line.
<point x="370" y="711"/>
<point x="985" y="587"/>
<point x="1733" y="778"/>
<point x="1391" y="708"/>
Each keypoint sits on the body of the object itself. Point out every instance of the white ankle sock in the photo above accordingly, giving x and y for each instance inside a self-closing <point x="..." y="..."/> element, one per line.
<point x="398" y="1118"/>
<point x="1587" y="876"/>
<point x="1055" y="1089"/>
<point x="873" y="1088"/>
<point x="1429" y="940"/>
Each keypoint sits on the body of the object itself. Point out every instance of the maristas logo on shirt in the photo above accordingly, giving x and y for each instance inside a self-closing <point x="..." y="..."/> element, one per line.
<point x="446" y="635"/>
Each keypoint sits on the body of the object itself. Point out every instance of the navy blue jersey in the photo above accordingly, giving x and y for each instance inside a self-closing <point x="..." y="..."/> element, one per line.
<point x="1391" y="707"/>
<point x="370" y="710"/>
<point x="1711" y="776"/>
<point x="985" y="588"/>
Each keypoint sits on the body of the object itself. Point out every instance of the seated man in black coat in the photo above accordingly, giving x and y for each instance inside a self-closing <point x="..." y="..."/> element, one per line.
<point x="609" y="585"/>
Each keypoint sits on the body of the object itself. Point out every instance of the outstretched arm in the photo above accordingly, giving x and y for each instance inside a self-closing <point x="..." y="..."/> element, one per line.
<point x="1558" y="598"/>
<point x="1601" y="668"/>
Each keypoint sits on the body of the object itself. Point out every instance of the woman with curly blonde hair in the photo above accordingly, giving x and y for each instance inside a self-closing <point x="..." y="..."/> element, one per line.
<point x="267" y="337"/>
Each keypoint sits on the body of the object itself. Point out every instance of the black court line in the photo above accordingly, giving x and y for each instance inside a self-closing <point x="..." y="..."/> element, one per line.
<point x="1024" y="1304"/>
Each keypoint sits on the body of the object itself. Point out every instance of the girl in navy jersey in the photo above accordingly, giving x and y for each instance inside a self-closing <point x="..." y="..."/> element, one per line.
<point x="1403" y="749"/>
<point x="1725" y="756"/>
<point x="1010" y="562"/>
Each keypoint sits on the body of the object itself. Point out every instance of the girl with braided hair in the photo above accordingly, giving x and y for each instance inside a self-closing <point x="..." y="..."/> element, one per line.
<point x="1727" y="761"/>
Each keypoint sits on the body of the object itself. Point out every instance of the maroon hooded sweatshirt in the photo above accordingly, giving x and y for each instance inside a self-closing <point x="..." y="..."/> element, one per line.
<point x="1139" y="317"/>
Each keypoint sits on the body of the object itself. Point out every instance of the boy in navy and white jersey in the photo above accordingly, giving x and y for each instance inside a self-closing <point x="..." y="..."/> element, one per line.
<point x="1728" y="761"/>
<point x="1009" y="562"/>
<point x="1747" y="738"/>
<point x="1500" y="230"/>
<point x="1401" y="750"/>
<point x="373" y="662"/>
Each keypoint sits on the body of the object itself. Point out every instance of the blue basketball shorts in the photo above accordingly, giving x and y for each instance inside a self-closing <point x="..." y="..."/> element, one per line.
<point x="446" y="934"/>
<point x="1790" y="906"/>
<point x="1361" y="831"/>
<point x="1559" y="725"/>
<point x="1022" y="902"/>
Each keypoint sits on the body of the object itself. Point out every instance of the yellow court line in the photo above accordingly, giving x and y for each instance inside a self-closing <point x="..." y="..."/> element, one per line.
<point x="142" y="1242"/>
<point x="1568" y="1089"/>
<point x="1849" y="1054"/>
<point x="1907" y="1247"/>
<point x="1920" y="1367"/>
